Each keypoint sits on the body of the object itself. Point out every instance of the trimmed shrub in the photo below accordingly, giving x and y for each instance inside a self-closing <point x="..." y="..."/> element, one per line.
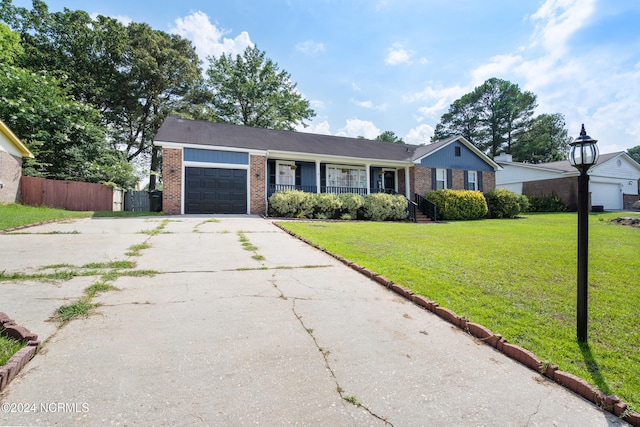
<point x="383" y="207"/>
<point x="458" y="204"/>
<point x="291" y="204"/>
<point x="351" y="203"/>
<point x="550" y="203"/>
<point x="326" y="206"/>
<point x="503" y="203"/>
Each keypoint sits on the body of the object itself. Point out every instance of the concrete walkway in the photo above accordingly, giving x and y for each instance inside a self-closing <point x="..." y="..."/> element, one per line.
<point x="279" y="335"/>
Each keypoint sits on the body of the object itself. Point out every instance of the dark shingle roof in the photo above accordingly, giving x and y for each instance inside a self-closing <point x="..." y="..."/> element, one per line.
<point x="196" y="132"/>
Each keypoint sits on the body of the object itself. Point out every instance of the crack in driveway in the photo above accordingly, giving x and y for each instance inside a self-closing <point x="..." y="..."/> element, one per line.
<point x="325" y="355"/>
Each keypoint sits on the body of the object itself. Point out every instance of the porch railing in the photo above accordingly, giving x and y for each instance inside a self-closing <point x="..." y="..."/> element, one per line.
<point x="426" y="207"/>
<point x="281" y="187"/>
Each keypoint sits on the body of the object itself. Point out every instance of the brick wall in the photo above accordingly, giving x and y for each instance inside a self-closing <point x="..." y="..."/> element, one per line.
<point x="488" y="181"/>
<point x="258" y="190"/>
<point x="565" y="188"/>
<point x="10" y="173"/>
<point x="629" y="199"/>
<point x="171" y="181"/>
<point x="421" y="180"/>
<point x="458" y="179"/>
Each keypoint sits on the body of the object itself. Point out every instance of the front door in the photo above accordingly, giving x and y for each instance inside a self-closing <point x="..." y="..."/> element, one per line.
<point x="389" y="180"/>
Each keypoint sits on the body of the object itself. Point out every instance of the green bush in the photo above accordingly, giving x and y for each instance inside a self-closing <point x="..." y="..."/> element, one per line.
<point x="503" y="203"/>
<point x="326" y="206"/>
<point x="383" y="207"/>
<point x="550" y="203"/>
<point x="351" y="204"/>
<point x="458" y="204"/>
<point x="376" y="207"/>
<point x="291" y="204"/>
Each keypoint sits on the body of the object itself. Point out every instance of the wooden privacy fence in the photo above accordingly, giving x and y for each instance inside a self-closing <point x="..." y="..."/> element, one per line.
<point x="70" y="195"/>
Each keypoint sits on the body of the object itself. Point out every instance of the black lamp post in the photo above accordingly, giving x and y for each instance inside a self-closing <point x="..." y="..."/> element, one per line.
<point x="583" y="155"/>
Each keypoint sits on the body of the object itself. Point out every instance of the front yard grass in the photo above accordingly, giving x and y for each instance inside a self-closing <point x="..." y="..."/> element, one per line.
<point x="15" y="215"/>
<point x="518" y="278"/>
<point x="8" y="347"/>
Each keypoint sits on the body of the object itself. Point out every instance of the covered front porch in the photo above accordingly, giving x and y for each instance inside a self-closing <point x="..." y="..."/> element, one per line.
<point x="336" y="177"/>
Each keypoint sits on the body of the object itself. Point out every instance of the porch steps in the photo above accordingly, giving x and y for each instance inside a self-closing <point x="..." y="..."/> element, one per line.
<point x="422" y="218"/>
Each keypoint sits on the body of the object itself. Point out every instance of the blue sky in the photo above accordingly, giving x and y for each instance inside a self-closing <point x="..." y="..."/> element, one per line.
<point x="368" y="66"/>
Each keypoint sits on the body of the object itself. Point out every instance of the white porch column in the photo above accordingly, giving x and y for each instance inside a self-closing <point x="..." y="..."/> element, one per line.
<point x="407" y="186"/>
<point x="317" y="176"/>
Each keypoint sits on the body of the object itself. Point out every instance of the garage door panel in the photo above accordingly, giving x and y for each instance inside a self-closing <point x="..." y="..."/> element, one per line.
<point x="211" y="190"/>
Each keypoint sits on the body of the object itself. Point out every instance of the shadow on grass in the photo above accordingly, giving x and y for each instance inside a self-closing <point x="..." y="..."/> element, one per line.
<point x="593" y="368"/>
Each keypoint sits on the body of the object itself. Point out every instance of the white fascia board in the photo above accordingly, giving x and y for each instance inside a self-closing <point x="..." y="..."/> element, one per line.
<point x="180" y="145"/>
<point x="326" y="158"/>
<point x="534" y="167"/>
<point x="190" y="164"/>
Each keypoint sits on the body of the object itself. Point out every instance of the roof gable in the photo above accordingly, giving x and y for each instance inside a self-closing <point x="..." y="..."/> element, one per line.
<point x="11" y="143"/>
<point x="436" y="150"/>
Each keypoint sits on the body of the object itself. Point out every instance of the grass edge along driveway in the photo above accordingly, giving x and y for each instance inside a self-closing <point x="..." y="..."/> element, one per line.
<point x="518" y="278"/>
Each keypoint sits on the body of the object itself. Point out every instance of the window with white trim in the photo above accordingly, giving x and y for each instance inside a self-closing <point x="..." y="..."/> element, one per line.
<point x="441" y="179"/>
<point x="285" y="173"/>
<point x="346" y="176"/>
<point x="472" y="180"/>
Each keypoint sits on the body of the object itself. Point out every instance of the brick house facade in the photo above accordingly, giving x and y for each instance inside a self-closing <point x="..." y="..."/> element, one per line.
<point x="221" y="168"/>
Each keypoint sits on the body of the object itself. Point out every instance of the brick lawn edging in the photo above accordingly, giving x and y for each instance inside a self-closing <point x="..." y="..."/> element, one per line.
<point x="610" y="403"/>
<point x="10" y="329"/>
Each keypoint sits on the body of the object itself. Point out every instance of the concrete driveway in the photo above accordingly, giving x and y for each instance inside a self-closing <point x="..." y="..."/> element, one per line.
<point x="279" y="334"/>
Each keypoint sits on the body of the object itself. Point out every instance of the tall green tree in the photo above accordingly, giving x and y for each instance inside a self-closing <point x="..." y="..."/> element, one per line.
<point x="159" y="70"/>
<point x="634" y="153"/>
<point x="389" y="136"/>
<point x="10" y="49"/>
<point x="490" y="117"/>
<point x="134" y="75"/>
<point x="65" y="136"/>
<point x="250" y="90"/>
<point x="546" y="140"/>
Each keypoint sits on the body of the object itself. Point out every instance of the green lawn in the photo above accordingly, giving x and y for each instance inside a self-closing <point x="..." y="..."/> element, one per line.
<point x="14" y="215"/>
<point x="518" y="278"/>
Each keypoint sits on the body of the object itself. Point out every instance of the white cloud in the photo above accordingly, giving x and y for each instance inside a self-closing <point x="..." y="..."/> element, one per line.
<point x="310" y="47"/>
<point x="438" y="100"/>
<point x="355" y="87"/>
<point x="419" y="135"/>
<point x="356" y="127"/>
<point x="207" y="38"/>
<point x="370" y="105"/>
<point x="398" y="55"/>
<point x="558" y="20"/>
<point x="321" y="128"/>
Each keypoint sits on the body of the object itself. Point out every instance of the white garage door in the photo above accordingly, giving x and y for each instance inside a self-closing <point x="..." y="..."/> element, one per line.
<point x="605" y="194"/>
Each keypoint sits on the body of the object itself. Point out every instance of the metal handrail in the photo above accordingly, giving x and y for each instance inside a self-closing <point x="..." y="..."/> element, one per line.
<point x="427" y="207"/>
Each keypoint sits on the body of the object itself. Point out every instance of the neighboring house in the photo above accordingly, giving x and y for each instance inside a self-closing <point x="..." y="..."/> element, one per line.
<point x="12" y="150"/>
<point x="613" y="181"/>
<point x="222" y="168"/>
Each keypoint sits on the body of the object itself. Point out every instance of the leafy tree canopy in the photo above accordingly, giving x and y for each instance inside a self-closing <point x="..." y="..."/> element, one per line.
<point x="634" y="153"/>
<point x="64" y="135"/>
<point x="546" y="140"/>
<point x="491" y="117"/>
<point x="389" y="136"/>
<point x="250" y="90"/>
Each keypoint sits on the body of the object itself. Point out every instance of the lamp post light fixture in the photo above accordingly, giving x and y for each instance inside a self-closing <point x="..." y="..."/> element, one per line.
<point x="582" y="155"/>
